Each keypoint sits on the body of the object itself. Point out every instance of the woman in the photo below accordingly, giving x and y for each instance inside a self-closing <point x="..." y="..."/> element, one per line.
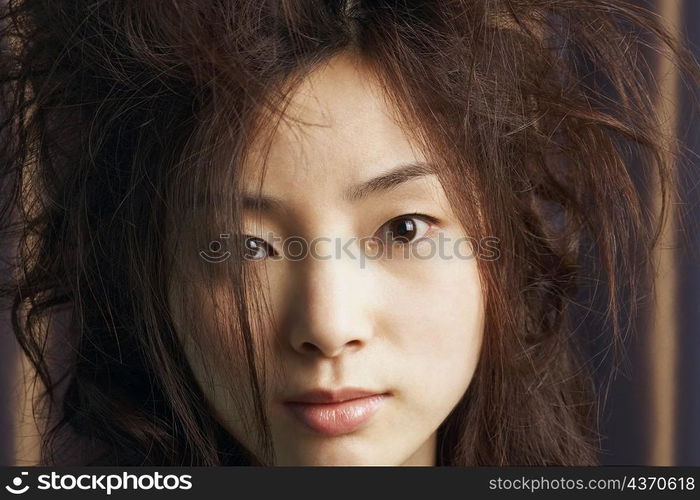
<point x="326" y="232"/>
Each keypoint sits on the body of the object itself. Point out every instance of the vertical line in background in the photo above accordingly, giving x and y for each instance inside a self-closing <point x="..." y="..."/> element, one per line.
<point x="27" y="386"/>
<point x="27" y="437"/>
<point x="662" y="353"/>
<point x="7" y="399"/>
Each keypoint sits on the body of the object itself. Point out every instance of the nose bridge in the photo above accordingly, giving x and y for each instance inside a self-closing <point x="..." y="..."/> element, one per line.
<point x="330" y="313"/>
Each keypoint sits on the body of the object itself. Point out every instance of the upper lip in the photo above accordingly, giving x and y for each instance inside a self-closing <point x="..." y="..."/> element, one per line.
<point x="320" y="396"/>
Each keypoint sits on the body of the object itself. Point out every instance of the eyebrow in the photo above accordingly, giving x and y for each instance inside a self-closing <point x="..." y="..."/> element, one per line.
<point x="389" y="180"/>
<point x="379" y="184"/>
<point x="250" y="202"/>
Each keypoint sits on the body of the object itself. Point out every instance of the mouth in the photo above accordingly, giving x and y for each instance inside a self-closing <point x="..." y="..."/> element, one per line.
<point x="334" y="413"/>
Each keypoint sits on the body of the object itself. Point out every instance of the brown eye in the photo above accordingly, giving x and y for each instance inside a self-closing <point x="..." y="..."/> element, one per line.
<point x="405" y="229"/>
<point x="256" y="248"/>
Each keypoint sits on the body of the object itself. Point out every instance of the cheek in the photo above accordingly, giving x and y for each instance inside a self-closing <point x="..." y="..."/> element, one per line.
<point x="203" y="324"/>
<point x="435" y="326"/>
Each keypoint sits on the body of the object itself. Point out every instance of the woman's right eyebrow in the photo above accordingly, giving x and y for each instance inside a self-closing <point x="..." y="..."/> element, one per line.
<point x="262" y="203"/>
<point x="249" y="202"/>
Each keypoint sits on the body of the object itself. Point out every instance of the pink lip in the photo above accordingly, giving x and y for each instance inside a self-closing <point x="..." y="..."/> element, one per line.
<point x="333" y="413"/>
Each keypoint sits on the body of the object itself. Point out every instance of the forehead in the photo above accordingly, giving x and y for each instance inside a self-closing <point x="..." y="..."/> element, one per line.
<point x="338" y="128"/>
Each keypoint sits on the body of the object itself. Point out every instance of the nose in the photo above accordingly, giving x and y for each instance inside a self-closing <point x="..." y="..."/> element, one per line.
<point x="331" y="314"/>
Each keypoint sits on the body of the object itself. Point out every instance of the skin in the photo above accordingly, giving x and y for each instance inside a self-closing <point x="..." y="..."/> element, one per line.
<point x="410" y="326"/>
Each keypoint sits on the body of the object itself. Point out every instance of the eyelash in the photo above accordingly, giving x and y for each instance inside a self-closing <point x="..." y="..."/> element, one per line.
<point x="431" y="221"/>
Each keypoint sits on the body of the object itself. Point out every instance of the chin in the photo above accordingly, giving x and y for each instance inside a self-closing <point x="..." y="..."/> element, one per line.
<point x="333" y="454"/>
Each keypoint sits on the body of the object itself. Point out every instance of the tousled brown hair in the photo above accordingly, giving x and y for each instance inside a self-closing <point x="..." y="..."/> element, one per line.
<point x="117" y="115"/>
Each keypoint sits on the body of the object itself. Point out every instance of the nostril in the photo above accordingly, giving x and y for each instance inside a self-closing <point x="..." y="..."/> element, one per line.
<point x="354" y="343"/>
<point x="312" y="348"/>
<point x="309" y="347"/>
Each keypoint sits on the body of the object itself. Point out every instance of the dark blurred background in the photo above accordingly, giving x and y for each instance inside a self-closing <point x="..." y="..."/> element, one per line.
<point x="652" y="410"/>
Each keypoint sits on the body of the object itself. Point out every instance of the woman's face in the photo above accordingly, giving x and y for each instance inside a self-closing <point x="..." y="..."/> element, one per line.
<point x="377" y="329"/>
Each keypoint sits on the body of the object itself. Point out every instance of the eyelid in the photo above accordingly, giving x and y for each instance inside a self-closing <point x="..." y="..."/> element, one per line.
<point x="430" y="220"/>
<point x="427" y="218"/>
<point x="272" y="252"/>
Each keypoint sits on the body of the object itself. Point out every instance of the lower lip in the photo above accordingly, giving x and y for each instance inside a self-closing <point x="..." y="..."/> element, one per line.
<point x="334" y="419"/>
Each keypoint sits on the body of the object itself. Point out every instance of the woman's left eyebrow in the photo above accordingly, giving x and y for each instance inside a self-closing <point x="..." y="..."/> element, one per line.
<point x="381" y="183"/>
<point x="389" y="180"/>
